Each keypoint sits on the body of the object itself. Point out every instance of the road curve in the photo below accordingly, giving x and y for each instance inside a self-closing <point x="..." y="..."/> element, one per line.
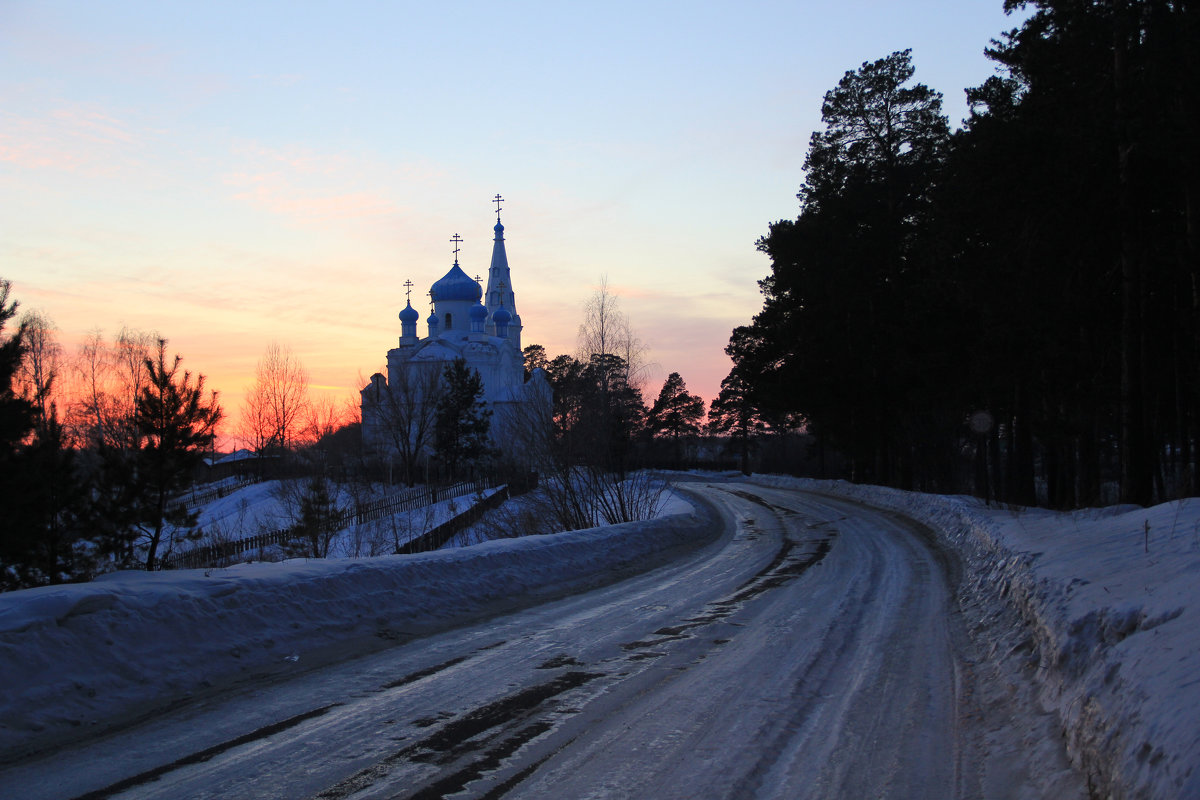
<point x="813" y="651"/>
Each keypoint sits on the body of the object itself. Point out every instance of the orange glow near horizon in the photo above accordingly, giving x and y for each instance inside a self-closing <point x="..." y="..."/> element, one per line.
<point x="228" y="362"/>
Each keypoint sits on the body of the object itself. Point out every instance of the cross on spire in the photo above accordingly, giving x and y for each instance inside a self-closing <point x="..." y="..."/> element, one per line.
<point x="498" y="200"/>
<point x="408" y="291"/>
<point x="456" y="240"/>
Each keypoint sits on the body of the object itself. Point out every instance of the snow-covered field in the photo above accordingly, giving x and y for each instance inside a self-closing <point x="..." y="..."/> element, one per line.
<point x="268" y="506"/>
<point x="1106" y="602"/>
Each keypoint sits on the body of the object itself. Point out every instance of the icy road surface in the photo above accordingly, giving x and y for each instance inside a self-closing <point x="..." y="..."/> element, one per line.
<point x="814" y="651"/>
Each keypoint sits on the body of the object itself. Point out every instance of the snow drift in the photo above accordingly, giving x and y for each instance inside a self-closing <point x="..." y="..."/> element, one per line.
<point x="93" y="655"/>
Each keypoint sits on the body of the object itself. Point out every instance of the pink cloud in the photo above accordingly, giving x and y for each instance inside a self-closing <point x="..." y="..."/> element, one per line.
<point x="290" y="201"/>
<point x="312" y="186"/>
<point x="79" y="138"/>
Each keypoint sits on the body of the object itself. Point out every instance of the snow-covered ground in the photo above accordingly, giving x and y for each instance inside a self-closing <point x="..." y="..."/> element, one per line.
<point x="83" y="656"/>
<point x="1106" y="602"/>
<point x="270" y="506"/>
<point x="273" y="505"/>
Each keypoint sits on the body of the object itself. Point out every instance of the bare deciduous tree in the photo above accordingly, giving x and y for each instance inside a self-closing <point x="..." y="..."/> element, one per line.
<point x="109" y="379"/>
<point x="277" y="407"/>
<point x="406" y="410"/>
<point x="40" y="368"/>
<point x="606" y="331"/>
<point x="325" y="415"/>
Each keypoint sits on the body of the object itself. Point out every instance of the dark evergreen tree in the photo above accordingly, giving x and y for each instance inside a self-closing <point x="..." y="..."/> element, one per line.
<point x="16" y="412"/>
<point x="853" y="300"/>
<point x="734" y="413"/>
<point x="535" y="358"/>
<point x="56" y="493"/>
<point x="597" y="413"/>
<point x="177" y="424"/>
<point x="463" y="418"/>
<point x="614" y="413"/>
<point x="16" y="425"/>
<point x="1069" y="202"/>
<point x="318" y="514"/>
<point x="675" y="413"/>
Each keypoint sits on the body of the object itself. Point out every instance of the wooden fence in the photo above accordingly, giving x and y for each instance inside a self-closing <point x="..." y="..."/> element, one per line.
<point x="436" y="537"/>
<point x="194" y="497"/>
<point x="214" y="554"/>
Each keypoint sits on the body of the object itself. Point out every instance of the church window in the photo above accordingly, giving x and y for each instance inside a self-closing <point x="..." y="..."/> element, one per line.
<point x="449" y="322"/>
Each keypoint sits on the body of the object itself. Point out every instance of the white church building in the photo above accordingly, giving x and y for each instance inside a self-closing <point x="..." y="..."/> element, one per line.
<point x="481" y="327"/>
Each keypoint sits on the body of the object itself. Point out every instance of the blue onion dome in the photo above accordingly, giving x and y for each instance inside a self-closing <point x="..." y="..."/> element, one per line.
<point x="477" y="313"/>
<point x="456" y="285"/>
<point x="499" y="229"/>
<point x="433" y="318"/>
<point x="409" y="314"/>
<point x="502" y="317"/>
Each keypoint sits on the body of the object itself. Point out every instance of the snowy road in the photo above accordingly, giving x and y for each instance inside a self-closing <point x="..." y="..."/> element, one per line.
<point x="813" y="651"/>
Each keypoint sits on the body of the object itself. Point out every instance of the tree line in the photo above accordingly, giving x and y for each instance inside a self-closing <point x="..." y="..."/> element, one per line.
<point x="1012" y="308"/>
<point x="97" y="484"/>
<point x="97" y="449"/>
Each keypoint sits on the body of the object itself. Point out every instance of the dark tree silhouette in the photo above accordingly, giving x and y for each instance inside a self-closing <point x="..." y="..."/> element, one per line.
<point x="851" y="289"/>
<point x="177" y="424"/>
<point x="463" y="419"/>
<point x="1042" y="265"/>
<point x="675" y="413"/>
<point x="734" y="413"/>
<point x="16" y="424"/>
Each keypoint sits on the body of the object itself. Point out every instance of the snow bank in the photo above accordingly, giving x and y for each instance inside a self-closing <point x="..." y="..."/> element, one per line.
<point x="102" y="653"/>
<point x="1109" y="598"/>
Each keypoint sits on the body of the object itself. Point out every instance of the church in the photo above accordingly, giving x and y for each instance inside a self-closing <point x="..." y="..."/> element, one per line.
<point x="481" y="327"/>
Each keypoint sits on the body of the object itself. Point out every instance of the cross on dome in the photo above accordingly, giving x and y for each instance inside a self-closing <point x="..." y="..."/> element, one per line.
<point x="456" y="240"/>
<point x="498" y="200"/>
<point x="408" y="291"/>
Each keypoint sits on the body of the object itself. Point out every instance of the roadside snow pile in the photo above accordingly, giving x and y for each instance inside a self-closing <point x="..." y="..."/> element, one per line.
<point x="1110" y="597"/>
<point x="96" y="654"/>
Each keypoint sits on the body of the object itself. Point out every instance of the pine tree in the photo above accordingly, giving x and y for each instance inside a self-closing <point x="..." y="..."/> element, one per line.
<point x="177" y="424"/>
<point x="16" y="423"/>
<point x="463" y="419"/>
<point x="318" y="514"/>
<point x="733" y="412"/>
<point x="850" y="282"/>
<point x="16" y="413"/>
<point x="675" y="412"/>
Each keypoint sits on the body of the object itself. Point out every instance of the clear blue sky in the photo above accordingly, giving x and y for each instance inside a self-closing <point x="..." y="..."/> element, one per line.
<point x="233" y="173"/>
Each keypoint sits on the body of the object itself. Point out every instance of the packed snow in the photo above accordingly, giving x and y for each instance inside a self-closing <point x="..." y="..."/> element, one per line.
<point x="1106" y="600"/>
<point x="1109" y="599"/>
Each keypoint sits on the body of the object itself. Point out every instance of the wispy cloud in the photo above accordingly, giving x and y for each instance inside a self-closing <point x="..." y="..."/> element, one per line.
<point x="81" y="138"/>
<point x="308" y="186"/>
<point x="278" y="196"/>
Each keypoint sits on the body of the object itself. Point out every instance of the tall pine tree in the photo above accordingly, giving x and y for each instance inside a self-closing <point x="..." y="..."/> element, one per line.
<point x="16" y="424"/>
<point x="463" y="419"/>
<point x="675" y="413"/>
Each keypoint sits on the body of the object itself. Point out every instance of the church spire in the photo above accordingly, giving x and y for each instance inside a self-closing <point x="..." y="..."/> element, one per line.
<point x="499" y="292"/>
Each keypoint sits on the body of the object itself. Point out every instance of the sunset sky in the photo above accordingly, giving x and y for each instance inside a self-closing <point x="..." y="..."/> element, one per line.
<point x="229" y="174"/>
